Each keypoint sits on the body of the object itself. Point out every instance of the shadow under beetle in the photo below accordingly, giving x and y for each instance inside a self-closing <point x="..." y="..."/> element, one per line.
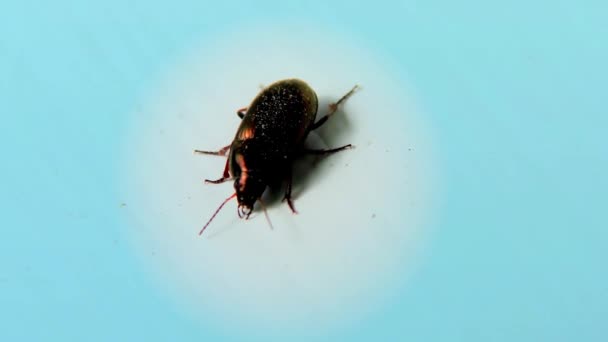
<point x="270" y="137"/>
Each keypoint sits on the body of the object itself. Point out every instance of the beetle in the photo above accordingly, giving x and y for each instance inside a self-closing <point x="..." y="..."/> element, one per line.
<point x="270" y="137"/>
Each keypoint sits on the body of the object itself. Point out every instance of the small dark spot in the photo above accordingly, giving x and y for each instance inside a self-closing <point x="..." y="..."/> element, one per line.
<point x="387" y="150"/>
<point x="374" y="215"/>
<point x="122" y="205"/>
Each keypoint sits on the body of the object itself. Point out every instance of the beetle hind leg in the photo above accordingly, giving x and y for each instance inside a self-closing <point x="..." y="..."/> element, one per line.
<point x="328" y="151"/>
<point x="287" y="196"/>
<point x="334" y="108"/>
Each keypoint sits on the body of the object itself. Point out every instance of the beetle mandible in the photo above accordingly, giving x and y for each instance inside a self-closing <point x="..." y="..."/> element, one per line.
<point x="271" y="135"/>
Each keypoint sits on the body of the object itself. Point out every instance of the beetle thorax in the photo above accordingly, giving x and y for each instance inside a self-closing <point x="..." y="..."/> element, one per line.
<point x="248" y="184"/>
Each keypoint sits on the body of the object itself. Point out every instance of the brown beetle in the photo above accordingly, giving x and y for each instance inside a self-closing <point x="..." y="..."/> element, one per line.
<point x="270" y="137"/>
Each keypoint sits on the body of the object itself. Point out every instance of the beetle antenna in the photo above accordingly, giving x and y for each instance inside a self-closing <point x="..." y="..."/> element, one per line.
<point x="266" y="213"/>
<point x="217" y="211"/>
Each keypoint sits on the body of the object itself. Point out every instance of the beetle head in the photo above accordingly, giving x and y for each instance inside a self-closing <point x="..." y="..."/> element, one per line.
<point x="248" y="190"/>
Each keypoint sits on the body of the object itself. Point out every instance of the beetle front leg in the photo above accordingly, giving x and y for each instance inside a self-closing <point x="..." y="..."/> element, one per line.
<point x="225" y="177"/>
<point x="287" y="196"/>
<point x="222" y="152"/>
<point x="333" y="108"/>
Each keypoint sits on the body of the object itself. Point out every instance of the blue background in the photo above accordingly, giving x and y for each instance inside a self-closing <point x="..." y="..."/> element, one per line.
<point x="515" y="92"/>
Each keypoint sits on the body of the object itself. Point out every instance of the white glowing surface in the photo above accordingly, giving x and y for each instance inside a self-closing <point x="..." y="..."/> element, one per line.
<point x="361" y="212"/>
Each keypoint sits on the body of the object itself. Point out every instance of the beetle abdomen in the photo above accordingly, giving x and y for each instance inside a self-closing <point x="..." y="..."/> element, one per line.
<point x="283" y="112"/>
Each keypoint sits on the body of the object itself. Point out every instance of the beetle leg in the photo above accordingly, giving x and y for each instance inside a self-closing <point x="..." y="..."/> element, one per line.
<point x="222" y="152"/>
<point x="333" y="150"/>
<point x="287" y="196"/>
<point x="333" y="108"/>
<point x="225" y="177"/>
<point x="241" y="112"/>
